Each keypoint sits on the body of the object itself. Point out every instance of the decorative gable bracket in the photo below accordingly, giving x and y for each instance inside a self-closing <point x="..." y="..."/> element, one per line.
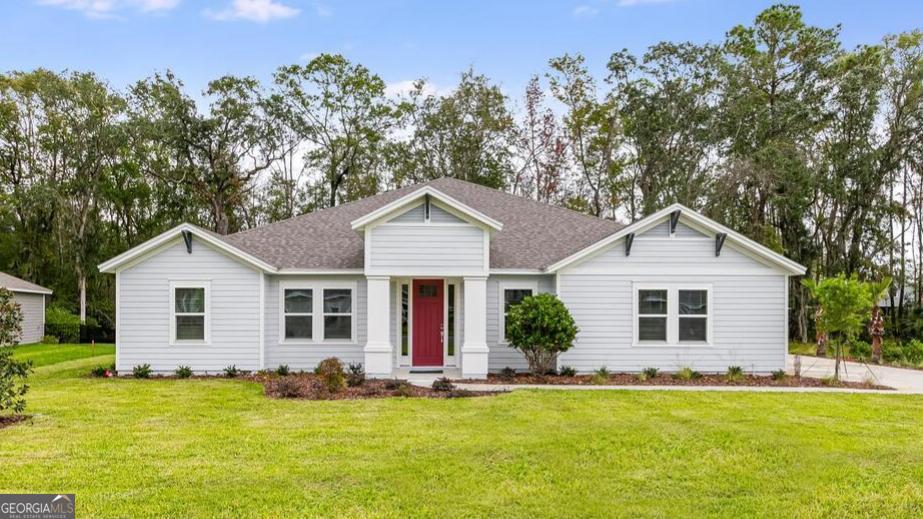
<point x="187" y="237"/>
<point x="719" y="242"/>
<point x="674" y="219"/>
<point x="629" y="239"/>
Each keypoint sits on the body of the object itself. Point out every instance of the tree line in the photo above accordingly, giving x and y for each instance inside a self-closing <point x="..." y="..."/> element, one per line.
<point x="778" y="131"/>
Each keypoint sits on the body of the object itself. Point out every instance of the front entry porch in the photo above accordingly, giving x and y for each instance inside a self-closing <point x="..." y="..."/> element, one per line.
<point x="426" y="324"/>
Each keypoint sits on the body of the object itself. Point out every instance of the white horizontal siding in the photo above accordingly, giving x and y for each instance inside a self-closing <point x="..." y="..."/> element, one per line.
<point x="144" y="308"/>
<point x="33" y="316"/>
<point x="306" y="356"/>
<point x="748" y="307"/>
<point x="422" y="249"/>
<point x="662" y="230"/>
<point x="501" y="355"/>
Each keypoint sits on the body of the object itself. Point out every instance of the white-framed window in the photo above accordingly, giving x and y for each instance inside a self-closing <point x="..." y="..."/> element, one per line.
<point x="313" y="312"/>
<point x="189" y="312"/>
<point x="298" y="314"/>
<point x="673" y="314"/>
<point x="511" y="294"/>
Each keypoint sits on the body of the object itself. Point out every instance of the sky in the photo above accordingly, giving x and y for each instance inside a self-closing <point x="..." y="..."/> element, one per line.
<point x="400" y="40"/>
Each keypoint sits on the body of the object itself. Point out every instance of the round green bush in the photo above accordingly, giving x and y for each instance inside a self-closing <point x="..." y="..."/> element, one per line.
<point x="541" y="328"/>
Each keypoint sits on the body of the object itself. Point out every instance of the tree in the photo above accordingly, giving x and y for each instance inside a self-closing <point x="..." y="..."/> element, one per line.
<point x="542" y="149"/>
<point x="10" y="319"/>
<point x="846" y="303"/>
<point x="541" y="328"/>
<point x="218" y="155"/>
<point x="468" y="134"/>
<point x="339" y="109"/>
<point x="877" y="291"/>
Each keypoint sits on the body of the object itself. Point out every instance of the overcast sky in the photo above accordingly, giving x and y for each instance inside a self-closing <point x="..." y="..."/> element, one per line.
<point x="125" y="40"/>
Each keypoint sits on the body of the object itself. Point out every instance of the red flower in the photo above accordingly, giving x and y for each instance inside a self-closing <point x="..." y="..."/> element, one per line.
<point x="107" y="373"/>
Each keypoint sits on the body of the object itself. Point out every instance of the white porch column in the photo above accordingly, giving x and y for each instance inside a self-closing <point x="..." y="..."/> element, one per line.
<point x="378" y="354"/>
<point x="474" y="351"/>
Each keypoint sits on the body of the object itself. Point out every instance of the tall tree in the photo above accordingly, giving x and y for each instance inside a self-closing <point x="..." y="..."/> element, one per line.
<point x="542" y="149"/>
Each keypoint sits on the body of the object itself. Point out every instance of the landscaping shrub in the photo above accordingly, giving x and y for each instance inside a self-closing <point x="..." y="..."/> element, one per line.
<point x="284" y="387"/>
<point x="13" y="387"/>
<point x="330" y="371"/>
<point x="231" y="371"/>
<point x="892" y="351"/>
<point x="404" y="389"/>
<point x="600" y="376"/>
<point x="10" y="319"/>
<point x="141" y="371"/>
<point x="282" y="370"/>
<point x="508" y="373"/>
<point x="860" y="350"/>
<point x="779" y="374"/>
<point x="912" y="352"/>
<point x="540" y="327"/>
<point x="355" y="375"/>
<point x="102" y="371"/>
<point x="50" y="339"/>
<point x="183" y="372"/>
<point x="650" y="372"/>
<point x="62" y="324"/>
<point x="567" y="371"/>
<point x="687" y="373"/>
<point x="443" y="384"/>
<point x="393" y="383"/>
<point x="734" y="374"/>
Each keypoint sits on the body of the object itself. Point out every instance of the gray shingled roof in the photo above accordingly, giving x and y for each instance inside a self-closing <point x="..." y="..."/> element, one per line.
<point x="15" y="284"/>
<point x="534" y="235"/>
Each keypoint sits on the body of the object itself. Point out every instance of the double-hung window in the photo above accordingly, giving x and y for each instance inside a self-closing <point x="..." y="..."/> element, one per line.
<point x="189" y="307"/>
<point x="672" y="314"/>
<point x="316" y="312"/>
<point x="510" y="296"/>
<point x="298" y="309"/>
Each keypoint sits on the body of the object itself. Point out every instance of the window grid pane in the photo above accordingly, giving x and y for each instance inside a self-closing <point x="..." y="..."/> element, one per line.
<point x="652" y="302"/>
<point x="693" y="302"/>
<point x="652" y="328"/>
<point x="338" y="326"/>
<point x="299" y="326"/>
<point x="693" y="329"/>
<point x="190" y="327"/>
<point x="338" y="301"/>
<point x="189" y="300"/>
<point x="299" y="301"/>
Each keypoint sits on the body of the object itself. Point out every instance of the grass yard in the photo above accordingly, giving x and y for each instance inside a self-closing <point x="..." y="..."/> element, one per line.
<point x="46" y="354"/>
<point x="220" y="448"/>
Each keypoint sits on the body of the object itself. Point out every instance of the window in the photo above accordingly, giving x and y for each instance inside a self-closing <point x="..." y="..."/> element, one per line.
<point x="451" y="321"/>
<point x="652" y="315"/>
<point x="405" y="320"/>
<point x="511" y="296"/>
<point x="693" y="315"/>
<point x="338" y="319"/>
<point x="189" y="308"/>
<point x="298" y="307"/>
<point x="672" y="314"/>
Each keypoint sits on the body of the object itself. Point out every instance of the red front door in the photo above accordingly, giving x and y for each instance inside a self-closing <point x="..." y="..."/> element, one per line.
<point x="427" y="322"/>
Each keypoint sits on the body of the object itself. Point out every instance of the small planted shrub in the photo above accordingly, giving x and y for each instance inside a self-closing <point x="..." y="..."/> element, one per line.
<point x="393" y="383"/>
<point x="600" y="376"/>
<point x="13" y="387"/>
<point x="355" y="375"/>
<point x="404" y="389"/>
<point x="183" y="371"/>
<point x="50" y="339"/>
<point x="779" y="374"/>
<point x="650" y="372"/>
<point x="282" y="370"/>
<point x="507" y="373"/>
<point x="913" y="352"/>
<point x="443" y="384"/>
<point x="861" y="350"/>
<point x="103" y="371"/>
<point x="829" y="381"/>
<point x="687" y="373"/>
<point x="231" y="371"/>
<point x="61" y="323"/>
<point x="641" y="377"/>
<point x="541" y="328"/>
<point x="567" y="371"/>
<point x="734" y="374"/>
<point x="330" y="371"/>
<point x="141" y="371"/>
<point x="284" y="387"/>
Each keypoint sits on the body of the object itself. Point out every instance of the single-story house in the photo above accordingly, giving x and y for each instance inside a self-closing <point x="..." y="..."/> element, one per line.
<point x="421" y="278"/>
<point x="31" y="299"/>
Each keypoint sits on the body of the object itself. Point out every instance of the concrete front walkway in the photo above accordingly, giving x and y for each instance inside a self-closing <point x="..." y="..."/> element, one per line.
<point x="904" y="380"/>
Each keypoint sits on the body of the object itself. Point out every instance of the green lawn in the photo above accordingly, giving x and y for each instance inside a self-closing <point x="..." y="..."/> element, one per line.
<point x="46" y="354"/>
<point x="219" y="447"/>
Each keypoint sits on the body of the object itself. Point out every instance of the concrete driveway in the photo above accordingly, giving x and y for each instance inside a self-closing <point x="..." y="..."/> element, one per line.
<point x="904" y="380"/>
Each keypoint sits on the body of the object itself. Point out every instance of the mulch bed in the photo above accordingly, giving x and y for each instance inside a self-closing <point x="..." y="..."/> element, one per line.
<point x="10" y="420"/>
<point x="628" y="379"/>
<point x="310" y="387"/>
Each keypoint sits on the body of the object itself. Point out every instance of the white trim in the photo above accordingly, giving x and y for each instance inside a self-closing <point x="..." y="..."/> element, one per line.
<point x="317" y="310"/>
<point x="319" y="272"/>
<point x="118" y="320"/>
<point x="45" y="292"/>
<point x="141" y="251"/>
<point x="206" y="321"/>
<point x="672" y="316"/>
<point x="517" y="272"/>
<point x="262" y="310"/>
<point x="785" y="333"/>
<point x="749" y="246"/>
<point x="501" y="315"/>
<point x="386" y="210"/>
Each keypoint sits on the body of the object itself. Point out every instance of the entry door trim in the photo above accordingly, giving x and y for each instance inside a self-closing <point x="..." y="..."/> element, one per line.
<point x="428" y="328"/>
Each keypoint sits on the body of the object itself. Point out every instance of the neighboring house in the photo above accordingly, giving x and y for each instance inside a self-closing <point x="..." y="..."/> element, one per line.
<point x="31" y="299"/>
<point x="422" y="277"/>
